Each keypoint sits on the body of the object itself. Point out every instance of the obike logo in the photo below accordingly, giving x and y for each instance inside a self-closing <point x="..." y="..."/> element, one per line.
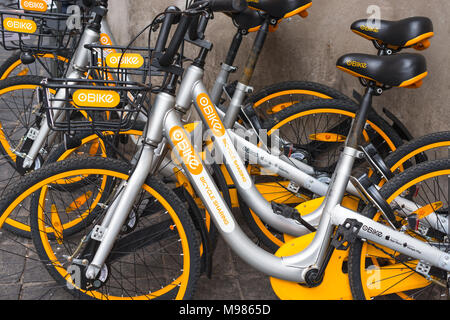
<point x="105" y="40"/>
<point x="372" y="231"/>
<point x="34" y="5"/>
<point x="370" y="29"/>
<point x="126" y="61"/>
<point x="357" y="64"/>
<point x="210" y="114"/>
<point x="96" y="98"/>
<point x="186" y="150"/>
<point x="19" y="25"/>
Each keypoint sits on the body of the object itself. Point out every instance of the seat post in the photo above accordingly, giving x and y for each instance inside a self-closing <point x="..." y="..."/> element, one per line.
<point x="359" y="122"/>
<point x="226" y="68"/>
<point x="254" y="54"/>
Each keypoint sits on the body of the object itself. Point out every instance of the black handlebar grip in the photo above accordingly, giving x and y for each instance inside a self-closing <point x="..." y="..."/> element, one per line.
<point x="232" y="6"/>
<point x="193" y="29"/>
<point x="88" y="3"/>
<point x="202" y="27"/>
<point x="178" y="37"/>
<point x="169" y="19"/>
<point x="93" y="3"/>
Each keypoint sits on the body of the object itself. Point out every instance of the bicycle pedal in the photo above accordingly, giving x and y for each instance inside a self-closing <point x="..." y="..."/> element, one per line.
<point x="346" y="234"/>
<point x="290" y="213"/>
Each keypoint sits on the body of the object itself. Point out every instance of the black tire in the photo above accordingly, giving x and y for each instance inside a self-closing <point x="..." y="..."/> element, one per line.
<point x="16" y="82"/>
<point x="341" y="106"/>
<point x="388" y="191"/>
<point x="17" y="103"/>
<point x="312" y="90"/>
<point x="407" y="155"/>
<point x="348" y="106"/>
<point x="48" y="247"/>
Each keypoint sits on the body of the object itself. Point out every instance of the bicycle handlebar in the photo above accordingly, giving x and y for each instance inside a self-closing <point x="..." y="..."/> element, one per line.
<point x="232" y="6"/>
<point x="178" y="37"/>
<point x="172" y="12"/>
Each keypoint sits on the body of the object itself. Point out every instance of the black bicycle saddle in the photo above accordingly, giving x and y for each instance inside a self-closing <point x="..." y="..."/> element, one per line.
<point x="248" y="19"/>
<point x="280" y="8"/>
<point x="410" y="32"/>
<point x="399" y="70"/>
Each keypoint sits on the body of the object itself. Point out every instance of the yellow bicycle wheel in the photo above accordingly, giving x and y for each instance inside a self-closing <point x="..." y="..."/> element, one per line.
<point x="155" y="256"/>
<point x="376" y="271"/>
<point x="90" y="145"/>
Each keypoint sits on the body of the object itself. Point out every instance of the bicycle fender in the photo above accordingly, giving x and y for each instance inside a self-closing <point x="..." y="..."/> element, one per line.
<point x="398" y="126"/>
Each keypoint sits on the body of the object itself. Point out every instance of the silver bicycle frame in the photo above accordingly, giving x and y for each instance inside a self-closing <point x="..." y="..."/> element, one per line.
<point x="164" y="117"/>
<point x="79" y="64"/>
<point x="165" y="122"/>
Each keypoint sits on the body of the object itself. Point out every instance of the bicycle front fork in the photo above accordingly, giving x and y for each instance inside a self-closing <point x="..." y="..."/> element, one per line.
<point x="120" y="209"/>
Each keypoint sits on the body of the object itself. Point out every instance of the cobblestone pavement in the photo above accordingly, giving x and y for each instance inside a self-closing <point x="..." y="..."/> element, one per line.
<point x="27" y="279"/>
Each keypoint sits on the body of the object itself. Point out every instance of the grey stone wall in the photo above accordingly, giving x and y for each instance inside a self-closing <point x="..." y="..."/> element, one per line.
<point x="307" y="49"/>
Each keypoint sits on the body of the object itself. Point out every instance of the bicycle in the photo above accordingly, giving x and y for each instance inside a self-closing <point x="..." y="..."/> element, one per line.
<point x="305" y="267"/>
<point x="429" y="147"/>
<point x="391" y="38"/>
<point x="48" y="49"/>
<point x="26" y="232"/>
<point x="35" y="147"/>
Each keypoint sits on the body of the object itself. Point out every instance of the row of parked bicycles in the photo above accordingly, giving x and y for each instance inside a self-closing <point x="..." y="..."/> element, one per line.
<point x="105" y="188"/>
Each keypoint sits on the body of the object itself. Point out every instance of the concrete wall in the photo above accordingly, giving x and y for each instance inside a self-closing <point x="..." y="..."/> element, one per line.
<point x="307" y="49"/>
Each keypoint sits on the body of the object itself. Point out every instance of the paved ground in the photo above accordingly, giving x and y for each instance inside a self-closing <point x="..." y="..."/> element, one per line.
<point x="27" y="279"/>
<point x="233" y="279"/>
